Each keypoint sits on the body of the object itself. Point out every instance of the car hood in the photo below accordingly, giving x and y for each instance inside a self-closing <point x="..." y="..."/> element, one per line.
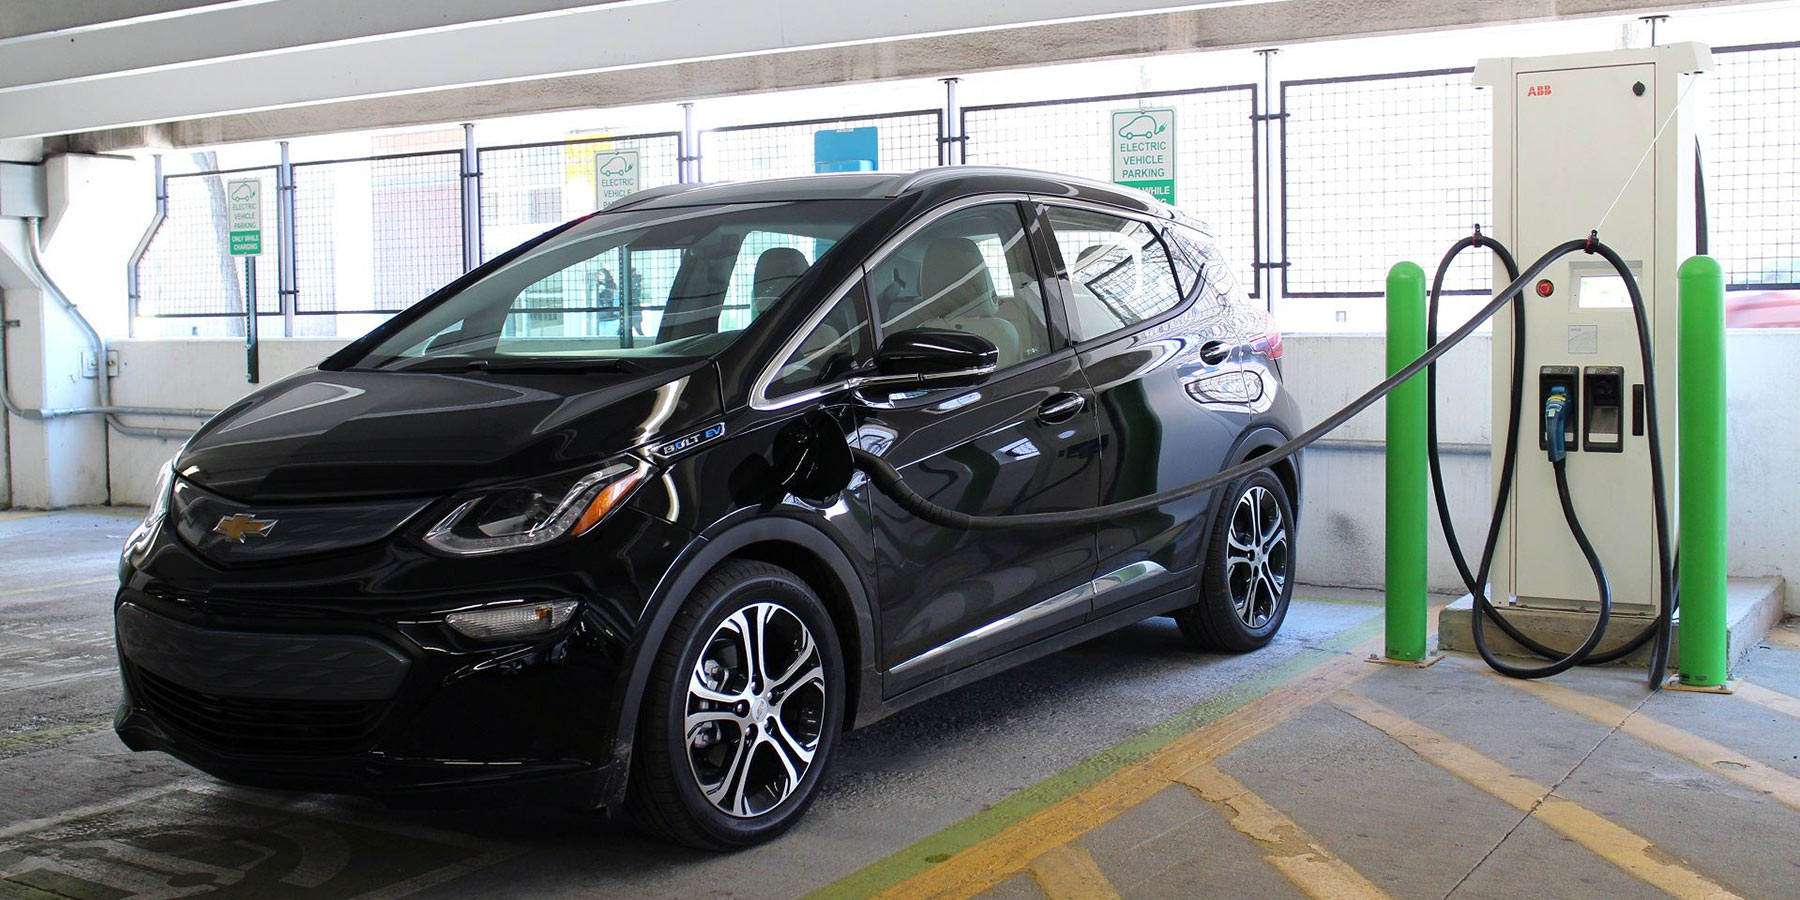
<point x="321" y="435"/>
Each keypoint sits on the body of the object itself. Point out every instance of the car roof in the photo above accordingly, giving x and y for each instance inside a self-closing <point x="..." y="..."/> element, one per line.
<point x="941" y="183"/>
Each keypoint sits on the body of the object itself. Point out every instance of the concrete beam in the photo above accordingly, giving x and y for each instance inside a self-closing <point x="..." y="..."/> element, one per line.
<point x="236" y="30"/>
<point x="606" y="37"/>
<point x="20" y="17"/>
<point x="1285" y="22"/>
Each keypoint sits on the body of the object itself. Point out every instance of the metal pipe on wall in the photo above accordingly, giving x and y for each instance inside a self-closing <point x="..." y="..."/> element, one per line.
<point x="104" y="388"/>
<point x="132" y="292"/>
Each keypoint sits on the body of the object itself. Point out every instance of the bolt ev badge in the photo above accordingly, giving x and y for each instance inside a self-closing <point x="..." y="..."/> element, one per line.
<point x="242" y="525"/>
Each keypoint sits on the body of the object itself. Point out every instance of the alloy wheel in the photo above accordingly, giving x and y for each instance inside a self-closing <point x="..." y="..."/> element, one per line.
<point x="1256" y="556"/>
<point x="755" y="710"/>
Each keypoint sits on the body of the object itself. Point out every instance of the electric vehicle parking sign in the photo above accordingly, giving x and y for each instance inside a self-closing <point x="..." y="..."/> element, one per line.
<point x="1144" y="151"/>
<point x="616" y="175"/>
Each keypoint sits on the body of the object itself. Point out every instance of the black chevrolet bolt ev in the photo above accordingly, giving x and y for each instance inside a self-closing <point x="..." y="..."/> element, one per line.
<point x="582" y="525"/>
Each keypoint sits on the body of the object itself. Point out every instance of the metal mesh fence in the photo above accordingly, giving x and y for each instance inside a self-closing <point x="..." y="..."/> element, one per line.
<point x="907" y="141"/>
<point x="1215" y="151"/>
<point x="376" y="235"/>
<point x="1374" y="168"/>
<point x="188" y="269"/>
<point x="527" y="189"/>
<point x="1752" y="165"/>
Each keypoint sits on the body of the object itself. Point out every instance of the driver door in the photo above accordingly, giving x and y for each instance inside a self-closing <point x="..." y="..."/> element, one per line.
<point x="1024" y="441"/>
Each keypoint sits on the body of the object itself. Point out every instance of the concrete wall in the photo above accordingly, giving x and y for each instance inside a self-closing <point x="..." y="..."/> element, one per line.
<point x="1343" y="518"/>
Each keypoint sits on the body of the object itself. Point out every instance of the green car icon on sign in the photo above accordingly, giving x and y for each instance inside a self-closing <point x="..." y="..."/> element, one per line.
<point x="618" y="165"/>
<point x="1144" y="126"/>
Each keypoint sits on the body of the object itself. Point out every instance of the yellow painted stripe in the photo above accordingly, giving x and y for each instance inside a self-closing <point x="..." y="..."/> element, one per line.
<point x="1768" y="699"/>
<point x="1781" y="637"/>
<point x="1614" y="843"/>
<point x="1709" y="755"/>
<point x="997" y="858"/>
<point x="61" y="584"/>
<point x="1069" y="873"/>
<point x="22" y="514"/>
<point x="1293" y="852"/>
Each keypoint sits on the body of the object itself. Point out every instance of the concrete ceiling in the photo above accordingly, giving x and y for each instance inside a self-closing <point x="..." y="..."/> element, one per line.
<point x="116" y="74"/>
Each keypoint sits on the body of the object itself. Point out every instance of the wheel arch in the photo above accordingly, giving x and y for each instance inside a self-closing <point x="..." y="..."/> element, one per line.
<point x="786" y="541"/>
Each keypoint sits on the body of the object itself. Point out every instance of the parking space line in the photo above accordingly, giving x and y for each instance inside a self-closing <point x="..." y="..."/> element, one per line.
<point x="11" y="742"/>
<point x="1624" y="848"/>
<point x="1068" y="872"/>
<point x="1297" y="855"/>
<point x="1781" y="637"/>
<point x="22" y="514"/>
<point x="13" y="592"/>
<point x="1709" y="755"/>
<point x="1768" y="699"/>
<point x="993" y="859"/>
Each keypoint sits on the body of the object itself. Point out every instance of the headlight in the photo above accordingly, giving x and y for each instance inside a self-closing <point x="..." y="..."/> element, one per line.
<point x="159" y="507"/>
<point x="527" y="515"/>
<point x="512" y="620"/>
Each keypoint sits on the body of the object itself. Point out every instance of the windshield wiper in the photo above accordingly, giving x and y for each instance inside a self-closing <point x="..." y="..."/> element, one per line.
<point x="525" y="365"/>
<point x="553" y="365"/>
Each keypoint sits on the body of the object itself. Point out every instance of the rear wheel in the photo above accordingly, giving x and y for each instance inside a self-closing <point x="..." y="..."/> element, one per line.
<point x="742" y="712"/>
<point x="1247" y="576"/>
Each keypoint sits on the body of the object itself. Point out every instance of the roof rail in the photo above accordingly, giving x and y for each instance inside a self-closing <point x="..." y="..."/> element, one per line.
<point x="630" y="200"/>
<point x="923" y="177"/>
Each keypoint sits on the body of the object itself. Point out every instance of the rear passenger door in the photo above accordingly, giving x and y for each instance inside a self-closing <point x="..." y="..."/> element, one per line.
<point x="1142" y="341"/>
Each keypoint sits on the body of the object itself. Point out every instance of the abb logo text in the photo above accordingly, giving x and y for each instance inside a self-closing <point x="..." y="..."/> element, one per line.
<point x="1538" y="90"/>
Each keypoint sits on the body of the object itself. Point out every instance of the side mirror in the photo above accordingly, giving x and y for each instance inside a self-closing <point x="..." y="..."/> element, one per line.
<point x="930" y="358"/>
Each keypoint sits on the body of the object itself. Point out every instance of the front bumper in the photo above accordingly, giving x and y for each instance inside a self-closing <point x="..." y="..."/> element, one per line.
<point x="326" y="676"/>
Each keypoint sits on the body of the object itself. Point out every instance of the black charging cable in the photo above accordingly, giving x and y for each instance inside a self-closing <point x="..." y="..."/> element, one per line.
<point x="1476" y="580"/>
<point x="889" y="481"/>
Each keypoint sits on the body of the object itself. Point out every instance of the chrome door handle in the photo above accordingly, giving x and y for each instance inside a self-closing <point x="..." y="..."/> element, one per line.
<point x="1060" y="408"/>
<point x="1214" y="352"/>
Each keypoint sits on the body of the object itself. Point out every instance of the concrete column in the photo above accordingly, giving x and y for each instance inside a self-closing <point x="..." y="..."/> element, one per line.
<point x="93" y="223"/>
<point x="60" y="462"/>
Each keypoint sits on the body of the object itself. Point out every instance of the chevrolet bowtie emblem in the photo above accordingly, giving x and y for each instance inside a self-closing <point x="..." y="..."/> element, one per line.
<point x="242" y="525"/>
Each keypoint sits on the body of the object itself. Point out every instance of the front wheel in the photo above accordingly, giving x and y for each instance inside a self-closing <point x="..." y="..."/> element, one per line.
<point x="1247" y="577"/>
<point x="742" y="711"/>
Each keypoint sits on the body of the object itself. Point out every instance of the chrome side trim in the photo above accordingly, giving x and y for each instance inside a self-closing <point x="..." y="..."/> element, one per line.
<point x="1125" y="575"/>
<point x="759" y="389"/>
<point x="1111" y="581"/>
<point x="1031" y="613"/>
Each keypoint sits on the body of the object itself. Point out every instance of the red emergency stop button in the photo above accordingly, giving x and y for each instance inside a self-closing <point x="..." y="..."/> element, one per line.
<point x="1545" y="288"/>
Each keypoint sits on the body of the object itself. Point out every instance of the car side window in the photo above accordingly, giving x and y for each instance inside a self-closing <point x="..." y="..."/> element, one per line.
<point x="969" y="271"/>
<point x="1119" y="271"/>
<point x="840" y="342"/>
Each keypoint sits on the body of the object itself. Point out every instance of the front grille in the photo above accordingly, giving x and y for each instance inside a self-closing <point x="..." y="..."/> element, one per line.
<point x="260" y="726"/>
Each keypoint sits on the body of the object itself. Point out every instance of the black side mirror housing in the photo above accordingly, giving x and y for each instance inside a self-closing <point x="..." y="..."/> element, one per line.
<point x="932" y="358"/>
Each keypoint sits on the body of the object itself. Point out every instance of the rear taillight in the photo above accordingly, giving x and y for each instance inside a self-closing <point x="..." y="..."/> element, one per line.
<point x="1269" y="344"/>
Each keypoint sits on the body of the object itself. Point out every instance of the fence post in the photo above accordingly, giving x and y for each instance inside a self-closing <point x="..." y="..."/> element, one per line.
<point x="133" y="291"/>
<point x="1266" y="174"/>
<point x="286" y="271"/>
<point x="952" y="148"/>
<point x="1701" y="511"/>
<point x="687" y="148"/>
<point x="1406" y="513"/>
<point x="471" y="200"/>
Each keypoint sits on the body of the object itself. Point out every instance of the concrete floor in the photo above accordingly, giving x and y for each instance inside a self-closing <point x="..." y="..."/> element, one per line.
<point x="1127" y="767"/>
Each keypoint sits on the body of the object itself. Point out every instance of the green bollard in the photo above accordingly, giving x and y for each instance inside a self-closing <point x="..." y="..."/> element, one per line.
<point x="1406" y="472"/>
<point x="1700" y="512"/>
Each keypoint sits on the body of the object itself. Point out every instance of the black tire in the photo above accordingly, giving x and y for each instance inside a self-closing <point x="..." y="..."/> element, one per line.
<point x="669" y="761"/>
<point x="1240" y="607"/>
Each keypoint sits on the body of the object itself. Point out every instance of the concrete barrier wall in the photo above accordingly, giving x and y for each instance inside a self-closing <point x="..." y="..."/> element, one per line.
<point x="1342" y="518"/>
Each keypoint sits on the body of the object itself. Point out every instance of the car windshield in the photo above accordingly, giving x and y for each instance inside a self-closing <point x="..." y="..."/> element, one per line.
<point x="633" y="285"/>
